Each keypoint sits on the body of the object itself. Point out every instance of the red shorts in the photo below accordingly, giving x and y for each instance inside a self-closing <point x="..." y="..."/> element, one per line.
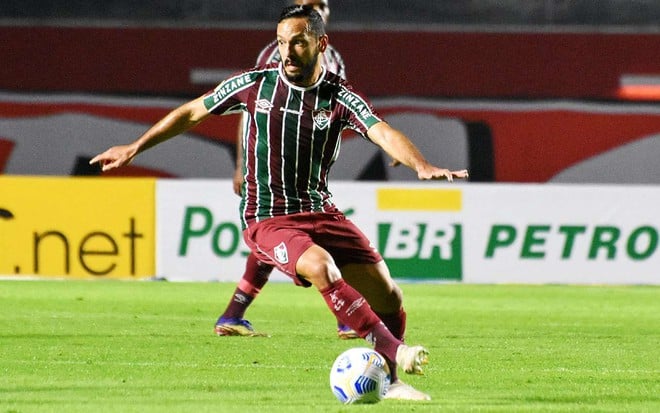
<point x="281" y="240"/>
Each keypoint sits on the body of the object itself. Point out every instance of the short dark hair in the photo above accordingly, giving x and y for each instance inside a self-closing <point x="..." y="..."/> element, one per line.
<point x="314" y="21"/>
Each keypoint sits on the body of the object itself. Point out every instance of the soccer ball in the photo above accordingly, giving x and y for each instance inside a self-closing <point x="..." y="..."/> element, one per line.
<point x="359" y="375"/>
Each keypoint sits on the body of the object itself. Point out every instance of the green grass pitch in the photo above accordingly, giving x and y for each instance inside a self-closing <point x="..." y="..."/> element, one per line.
<point x="111" y="346"/>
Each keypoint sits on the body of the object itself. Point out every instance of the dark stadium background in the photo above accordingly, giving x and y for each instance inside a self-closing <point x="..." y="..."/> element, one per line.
<point x="583" y="76"/>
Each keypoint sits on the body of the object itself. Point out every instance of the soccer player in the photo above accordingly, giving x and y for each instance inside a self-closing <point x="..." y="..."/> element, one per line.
<point x="232" y="322"/>
<point x="297" y="111"/>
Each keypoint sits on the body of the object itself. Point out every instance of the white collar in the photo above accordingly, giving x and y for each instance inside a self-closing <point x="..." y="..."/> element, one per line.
<point x="291" y="85"/>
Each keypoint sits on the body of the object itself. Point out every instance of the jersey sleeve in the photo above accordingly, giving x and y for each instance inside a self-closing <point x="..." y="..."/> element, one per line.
<point x="230" y="96"/>
<point x="359" y="114"/>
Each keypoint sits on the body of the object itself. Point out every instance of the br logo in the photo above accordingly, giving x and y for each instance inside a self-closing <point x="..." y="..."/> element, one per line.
<point x="422" y="250"/>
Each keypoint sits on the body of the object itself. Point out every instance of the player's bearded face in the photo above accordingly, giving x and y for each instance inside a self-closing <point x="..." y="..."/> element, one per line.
<point x="299" y="50"/>
<point x="300" y="71"/>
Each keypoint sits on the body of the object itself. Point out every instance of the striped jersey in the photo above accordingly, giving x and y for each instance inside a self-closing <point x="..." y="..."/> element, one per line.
<point x="292" y="137"/>
<point x="332" y="60"/>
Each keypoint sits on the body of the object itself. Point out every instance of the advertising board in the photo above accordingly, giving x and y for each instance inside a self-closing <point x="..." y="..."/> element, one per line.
<point x="474" y="233"/>
<point x="77" y="227"/>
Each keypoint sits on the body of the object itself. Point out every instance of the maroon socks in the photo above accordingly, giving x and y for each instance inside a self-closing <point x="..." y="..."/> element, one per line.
<point x="255" y="277"/>
<point x="352" y="309"/>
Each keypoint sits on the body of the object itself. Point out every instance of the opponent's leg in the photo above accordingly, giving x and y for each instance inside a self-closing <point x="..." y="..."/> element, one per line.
<point x="231" y="322"/>
<point x="344" y="332"/>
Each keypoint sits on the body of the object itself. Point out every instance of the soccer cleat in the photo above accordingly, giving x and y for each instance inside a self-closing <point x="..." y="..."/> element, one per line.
<point x="236" y="327"/>
<point x="412" y="358"/>
<point x="346" y="333"/>
<point x="402" y="391"/>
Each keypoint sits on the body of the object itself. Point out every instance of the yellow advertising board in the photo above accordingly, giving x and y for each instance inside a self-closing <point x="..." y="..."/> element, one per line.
<point x="77" y="227"/>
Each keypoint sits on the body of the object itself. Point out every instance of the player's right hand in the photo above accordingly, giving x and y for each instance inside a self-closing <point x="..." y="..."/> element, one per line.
<point x="115" y="157"/>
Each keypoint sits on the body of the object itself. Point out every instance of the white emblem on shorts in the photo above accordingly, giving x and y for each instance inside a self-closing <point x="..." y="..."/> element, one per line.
<point x="281" y="254"/>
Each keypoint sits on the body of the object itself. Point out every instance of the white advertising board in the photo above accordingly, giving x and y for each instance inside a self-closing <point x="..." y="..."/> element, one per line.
<point x="431" y="231"/>
<point x="199" y="234"/>
<point x="198" y="231"/>
<point x="546" y="233"/>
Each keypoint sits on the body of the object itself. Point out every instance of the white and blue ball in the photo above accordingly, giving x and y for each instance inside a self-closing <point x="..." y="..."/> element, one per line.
<point x="359" y="375"/>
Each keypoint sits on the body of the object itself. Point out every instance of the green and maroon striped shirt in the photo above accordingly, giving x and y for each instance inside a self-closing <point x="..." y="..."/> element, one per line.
<point x="292" y="137"/>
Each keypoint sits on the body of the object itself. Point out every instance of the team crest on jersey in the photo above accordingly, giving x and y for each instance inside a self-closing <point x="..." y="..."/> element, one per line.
<point x="263" y="105"/>
<point x="321" y="118"/>
<point x="281" y="254"/>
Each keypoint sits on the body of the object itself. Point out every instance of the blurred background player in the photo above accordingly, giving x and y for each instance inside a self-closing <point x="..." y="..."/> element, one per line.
<point x="232" y="321"/>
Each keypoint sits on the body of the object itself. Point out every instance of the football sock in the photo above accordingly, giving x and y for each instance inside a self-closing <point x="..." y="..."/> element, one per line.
<point x="395" y="322"/>
<point x="255" y="277"/>
<point x="239" y="303"/>
<point x="352" y="309"/>
<point x="386" y="344"/>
